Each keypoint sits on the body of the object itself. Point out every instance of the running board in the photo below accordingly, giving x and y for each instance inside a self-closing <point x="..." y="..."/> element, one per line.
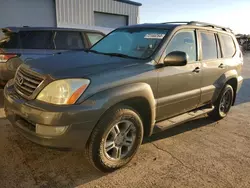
<point x="177" y="120"/>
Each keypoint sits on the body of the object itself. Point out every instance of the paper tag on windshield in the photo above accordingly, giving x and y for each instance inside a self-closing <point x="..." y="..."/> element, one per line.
<point x="154" y="36"/>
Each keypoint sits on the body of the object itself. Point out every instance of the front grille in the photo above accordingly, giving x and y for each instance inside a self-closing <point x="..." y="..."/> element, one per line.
<point x="26" y="82"/>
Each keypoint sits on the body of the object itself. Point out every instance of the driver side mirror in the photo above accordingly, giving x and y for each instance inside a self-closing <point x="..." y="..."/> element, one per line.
<point x="176" y="58"/>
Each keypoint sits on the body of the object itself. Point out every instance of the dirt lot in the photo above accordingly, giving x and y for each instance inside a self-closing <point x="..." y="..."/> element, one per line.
<point x="200" y="153"/>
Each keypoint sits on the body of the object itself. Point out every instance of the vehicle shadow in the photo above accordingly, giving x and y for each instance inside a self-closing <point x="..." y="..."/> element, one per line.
<point x="48" y="167"/>
<point x="243" y="95"/>
<point x="189" y="126"/>
<point x="53" y="168"/>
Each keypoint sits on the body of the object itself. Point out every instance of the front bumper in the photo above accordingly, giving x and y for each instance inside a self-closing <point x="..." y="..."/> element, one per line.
<point x="24" y="115"/>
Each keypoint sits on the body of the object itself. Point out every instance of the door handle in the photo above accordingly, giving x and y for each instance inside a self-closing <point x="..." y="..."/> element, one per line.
<point x="197" y="70"/>
<point x="221" y="66"/>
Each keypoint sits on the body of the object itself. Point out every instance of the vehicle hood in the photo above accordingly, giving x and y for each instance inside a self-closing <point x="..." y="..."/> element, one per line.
<point x="78" y="64"/>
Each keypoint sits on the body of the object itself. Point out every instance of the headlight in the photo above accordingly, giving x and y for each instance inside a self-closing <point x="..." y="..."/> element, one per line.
<point x="63" y="91"/>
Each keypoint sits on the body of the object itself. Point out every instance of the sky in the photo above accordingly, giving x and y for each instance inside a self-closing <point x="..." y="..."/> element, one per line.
<point x="229" y="13"/>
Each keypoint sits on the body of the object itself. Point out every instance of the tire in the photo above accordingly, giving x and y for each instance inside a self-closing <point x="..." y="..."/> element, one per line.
<point x="221" y="110"/>
<point x="106" y="135"/>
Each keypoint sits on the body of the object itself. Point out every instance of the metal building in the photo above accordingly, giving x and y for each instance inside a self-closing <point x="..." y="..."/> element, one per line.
<point x="69" y="13"/>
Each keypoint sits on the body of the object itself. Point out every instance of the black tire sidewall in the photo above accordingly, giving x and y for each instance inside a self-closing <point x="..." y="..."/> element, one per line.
<point x="99" y="158"/>
<point x="226" y="89"/>
<point x="216" y="114"/>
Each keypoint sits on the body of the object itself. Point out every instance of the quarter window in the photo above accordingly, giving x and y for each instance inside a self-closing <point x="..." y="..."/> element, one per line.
<point x="209" y="46"/>
<point x="228" y="46"/>
<point x="184" y="41"/>
<point x="94" y="37"/>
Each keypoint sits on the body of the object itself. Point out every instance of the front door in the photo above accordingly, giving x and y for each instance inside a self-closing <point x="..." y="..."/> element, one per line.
<point x="179" y="86"/>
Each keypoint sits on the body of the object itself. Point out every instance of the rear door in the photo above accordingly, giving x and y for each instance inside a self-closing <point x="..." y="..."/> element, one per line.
<point x="212" y="64"/>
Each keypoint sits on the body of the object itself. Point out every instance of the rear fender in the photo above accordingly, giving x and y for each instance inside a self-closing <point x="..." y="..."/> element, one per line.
<point x="219" y="85"/>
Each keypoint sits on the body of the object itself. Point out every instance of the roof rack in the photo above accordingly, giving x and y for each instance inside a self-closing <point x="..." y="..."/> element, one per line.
<point x="202" y="24"/>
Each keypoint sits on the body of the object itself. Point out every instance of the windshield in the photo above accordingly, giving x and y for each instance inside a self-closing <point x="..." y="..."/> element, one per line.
<point x="134" y="43"/>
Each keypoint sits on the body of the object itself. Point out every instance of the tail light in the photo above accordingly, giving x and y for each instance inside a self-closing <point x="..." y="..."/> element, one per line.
<point x="5" y="57"/>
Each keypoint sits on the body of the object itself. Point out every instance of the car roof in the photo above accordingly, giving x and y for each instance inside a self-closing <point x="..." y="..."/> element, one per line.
<point x="26" y="28"/>
<point x="152" y="25"/>
<point x="173" y="25"/>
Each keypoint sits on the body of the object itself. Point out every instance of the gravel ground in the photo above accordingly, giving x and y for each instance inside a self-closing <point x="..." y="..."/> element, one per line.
<point x="201" y="153"/>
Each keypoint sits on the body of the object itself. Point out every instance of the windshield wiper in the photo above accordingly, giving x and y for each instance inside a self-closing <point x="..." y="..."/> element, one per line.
<point x="94" y="51"/>
<point x="120" y="55"/>
<point x="113" y="54"/>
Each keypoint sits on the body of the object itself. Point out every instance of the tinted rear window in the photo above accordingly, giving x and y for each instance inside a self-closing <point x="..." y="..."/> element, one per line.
<point x="227" y="45"/>
<point x="26" y="40"/>
<point x="35" y="39"/>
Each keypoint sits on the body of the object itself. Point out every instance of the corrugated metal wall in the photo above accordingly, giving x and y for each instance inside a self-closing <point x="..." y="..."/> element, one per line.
<point x="82" y="11"/>
<point x="27" y="12"/>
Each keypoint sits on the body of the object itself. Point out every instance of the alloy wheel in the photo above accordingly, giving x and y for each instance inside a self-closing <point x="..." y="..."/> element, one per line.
<point x="225" y="102"/>
<point x="120" y="140"/>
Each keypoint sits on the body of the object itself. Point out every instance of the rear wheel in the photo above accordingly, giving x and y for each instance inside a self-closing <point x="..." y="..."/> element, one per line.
<point x="223" y="103"/>
<point x="115" y="139"/>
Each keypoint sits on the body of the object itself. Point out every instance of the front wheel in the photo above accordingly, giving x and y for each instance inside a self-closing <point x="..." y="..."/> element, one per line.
<point x="115" y="139"/>
<point x="223" y="103"/>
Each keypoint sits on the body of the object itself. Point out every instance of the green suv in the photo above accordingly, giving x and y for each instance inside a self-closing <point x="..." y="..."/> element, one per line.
<point x="135" y="81"/>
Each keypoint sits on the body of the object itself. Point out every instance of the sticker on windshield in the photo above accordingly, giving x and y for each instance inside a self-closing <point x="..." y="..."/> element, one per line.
<point x="154" y="36"/>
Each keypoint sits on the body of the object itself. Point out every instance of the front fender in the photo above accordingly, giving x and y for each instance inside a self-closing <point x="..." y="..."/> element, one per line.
<point x="104" y="100"/>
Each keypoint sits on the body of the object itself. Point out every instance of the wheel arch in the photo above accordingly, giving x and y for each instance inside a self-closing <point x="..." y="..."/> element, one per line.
<point x="138" y="96"/>
<point x="234" y="83"/>
<point x="143" y="108"/>
<point x="230" y="77"/>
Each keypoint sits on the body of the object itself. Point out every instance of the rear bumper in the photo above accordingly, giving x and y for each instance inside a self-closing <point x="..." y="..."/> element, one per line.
<point x="79" y="119"/>
<point x="240" y="82"/>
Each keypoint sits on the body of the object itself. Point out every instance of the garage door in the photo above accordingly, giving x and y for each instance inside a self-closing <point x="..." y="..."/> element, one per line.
<point x="110" y="20"/>
<point x="27" y="12"/>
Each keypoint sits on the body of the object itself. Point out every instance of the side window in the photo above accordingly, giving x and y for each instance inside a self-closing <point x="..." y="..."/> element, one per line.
<point x="35" y="39"/>
<point x="65" y="40"/>
<point x="184" y="41"/>
<point x="208" y="45"/>
<point x="227" y="45"/>
<point x="94" y="37"/>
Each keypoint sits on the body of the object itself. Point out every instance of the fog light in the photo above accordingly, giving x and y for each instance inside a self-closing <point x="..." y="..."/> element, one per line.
<point x="50" y="130"/>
